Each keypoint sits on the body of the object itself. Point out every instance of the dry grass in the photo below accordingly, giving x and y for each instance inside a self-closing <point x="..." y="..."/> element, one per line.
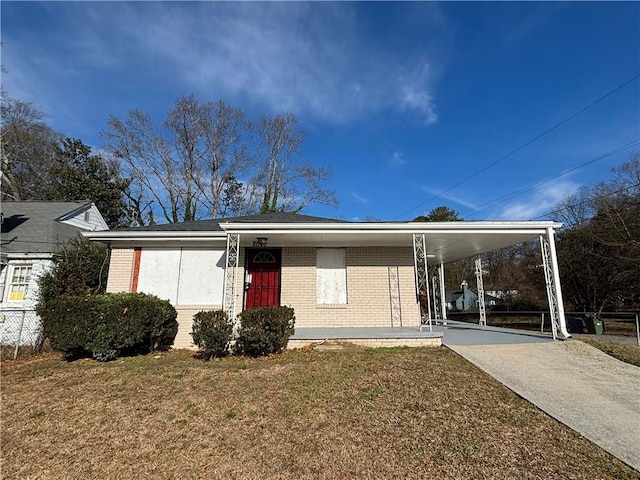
<point x="626" y="353"/>
<point x="385" y="413"/>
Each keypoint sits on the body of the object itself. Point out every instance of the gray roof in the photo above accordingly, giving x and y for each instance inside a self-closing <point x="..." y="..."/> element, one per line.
<point x="214" y="225"/>
<point x="34" y="226"/>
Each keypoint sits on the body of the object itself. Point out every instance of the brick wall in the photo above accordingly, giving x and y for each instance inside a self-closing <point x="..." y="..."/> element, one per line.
<point x="368" y="298"/>
<point x="120" y="270"/>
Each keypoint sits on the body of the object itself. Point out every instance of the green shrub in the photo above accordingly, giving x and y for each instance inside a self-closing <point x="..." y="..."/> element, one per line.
<point x="212" y="333"/>
<point x="80" y="267"/>
<point x="264" y="330"/>
<point x="108" y="326"/>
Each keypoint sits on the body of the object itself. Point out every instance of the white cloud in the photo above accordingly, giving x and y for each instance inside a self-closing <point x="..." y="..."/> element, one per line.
<point x="397" y="159"/>
<point x="412" y="98"/>
<point x="541" y="201"/>
<point x="359" y="198"/>
<point x="308" y="58"/>
<point x="448" y="196"/>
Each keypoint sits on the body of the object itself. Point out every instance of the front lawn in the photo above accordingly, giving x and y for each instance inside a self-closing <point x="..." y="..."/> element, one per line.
<point x="360" y="413"/>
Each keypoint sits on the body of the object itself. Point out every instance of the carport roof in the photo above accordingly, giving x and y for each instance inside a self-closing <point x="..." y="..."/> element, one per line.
<point x="446" y="241"/>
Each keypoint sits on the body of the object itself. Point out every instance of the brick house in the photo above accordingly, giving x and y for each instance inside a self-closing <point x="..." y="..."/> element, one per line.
<point x="333" y="273"/>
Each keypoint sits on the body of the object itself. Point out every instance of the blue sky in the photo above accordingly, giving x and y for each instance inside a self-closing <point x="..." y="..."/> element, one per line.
<point x="403" y="100"/>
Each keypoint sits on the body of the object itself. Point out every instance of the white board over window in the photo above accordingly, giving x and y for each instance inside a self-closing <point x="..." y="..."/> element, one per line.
<point x="183" y="276"/>
<point x="331" y="276"/>
<point x="201" y="277"/>
<point x="158" y="274"/>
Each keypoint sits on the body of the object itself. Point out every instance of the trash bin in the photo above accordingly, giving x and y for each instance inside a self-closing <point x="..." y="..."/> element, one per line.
<point x="574" y="324"/>
<point x="594" y="324"/>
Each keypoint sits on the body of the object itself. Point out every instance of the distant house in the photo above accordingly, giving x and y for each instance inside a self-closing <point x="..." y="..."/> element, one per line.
<point x="32" y="231"/>
<point x="461" y="299"/>
<point x="464" y="298"/>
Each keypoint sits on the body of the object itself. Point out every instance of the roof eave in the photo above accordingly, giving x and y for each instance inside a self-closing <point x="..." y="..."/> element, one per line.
<point x="444" y="227"/>
<point x="114" y="235"/>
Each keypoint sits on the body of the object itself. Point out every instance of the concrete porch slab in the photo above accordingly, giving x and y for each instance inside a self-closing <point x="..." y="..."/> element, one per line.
<point x="367" y="337"/>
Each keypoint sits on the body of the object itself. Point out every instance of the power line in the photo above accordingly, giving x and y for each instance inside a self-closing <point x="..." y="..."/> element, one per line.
<point x="504" y="157"/>
<point x="519" y="192"/>
<point x="584" y="202"/>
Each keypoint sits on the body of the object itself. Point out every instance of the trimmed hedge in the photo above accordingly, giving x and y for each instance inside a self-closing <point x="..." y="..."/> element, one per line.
<point x="264" y="330"/>
<point x="212" y="332"/>
<point x="108" y="326"/>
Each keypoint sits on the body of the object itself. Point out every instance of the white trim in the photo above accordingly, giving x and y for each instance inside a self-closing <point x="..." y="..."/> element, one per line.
<point x="154" y="235"/>
<point x="397" y="227"/>
<point x="527" y="228"/>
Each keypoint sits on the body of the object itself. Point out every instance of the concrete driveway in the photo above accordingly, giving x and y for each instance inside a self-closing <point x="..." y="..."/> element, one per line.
<point x="580" y="386"/>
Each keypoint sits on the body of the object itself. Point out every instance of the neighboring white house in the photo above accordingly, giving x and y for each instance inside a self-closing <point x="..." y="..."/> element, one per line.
<point x="32" y="231"/>
<point x="333" y="273"/>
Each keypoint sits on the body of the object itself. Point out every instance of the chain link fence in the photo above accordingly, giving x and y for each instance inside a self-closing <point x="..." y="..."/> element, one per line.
<point x="616" y="327"/>
<point x="19" y="329"/>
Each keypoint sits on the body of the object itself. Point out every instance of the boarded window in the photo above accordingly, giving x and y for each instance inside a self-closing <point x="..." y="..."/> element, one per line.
<point x="201" y="277"/>
<point x="331" y="276"/>
<point x="183" y="276"/>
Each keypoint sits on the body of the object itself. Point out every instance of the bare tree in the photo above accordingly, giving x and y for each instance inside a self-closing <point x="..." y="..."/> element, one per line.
<point x="197" y="163"/>
<point x="600" y="258"/>
<point x="181" y="170"/>
<point x="28" y="150"/>
<point x="286" y="183"/>
<point x="226" y="159"/>
<point x="146" y="156"/>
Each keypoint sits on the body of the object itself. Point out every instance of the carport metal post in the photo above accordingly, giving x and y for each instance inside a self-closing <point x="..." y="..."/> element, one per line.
<point x="233" y="250"/>
<point x="480" y="285"/>
<point x="420" y="270"/>
<point x="435" y="286"/>
<point x="443" y="291"/>
<point x="552" y="278"/>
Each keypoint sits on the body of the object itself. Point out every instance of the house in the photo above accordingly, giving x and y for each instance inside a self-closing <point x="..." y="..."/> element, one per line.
<point x="32" y="231"/>
<point x="464" y="298"/>
<point x="461" y="299"/>
<point x="333" y="273"/>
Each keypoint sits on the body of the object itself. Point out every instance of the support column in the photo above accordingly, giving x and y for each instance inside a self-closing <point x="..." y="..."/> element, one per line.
<point x="552" y="280"/>
<point x="394" y="296"/>
<point x="443" y="290"/>
<point x="422" y="282"/>
<point x="480" y="286"/>
<point x="435" y="295"/>
<point x="231" y="271"/>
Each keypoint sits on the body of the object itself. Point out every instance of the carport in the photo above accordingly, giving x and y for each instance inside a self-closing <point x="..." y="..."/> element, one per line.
<point x="434" y="244"/>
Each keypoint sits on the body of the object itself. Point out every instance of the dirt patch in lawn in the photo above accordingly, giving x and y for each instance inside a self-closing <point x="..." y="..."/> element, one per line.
<point x="369" y="413"/>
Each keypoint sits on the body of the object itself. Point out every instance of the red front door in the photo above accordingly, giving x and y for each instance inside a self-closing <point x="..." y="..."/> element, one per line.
<point x="263" y="277"/>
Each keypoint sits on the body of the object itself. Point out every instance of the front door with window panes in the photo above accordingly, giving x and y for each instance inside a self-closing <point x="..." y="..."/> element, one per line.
<point x="19" y="283"/>
<point x="263" y="277"/>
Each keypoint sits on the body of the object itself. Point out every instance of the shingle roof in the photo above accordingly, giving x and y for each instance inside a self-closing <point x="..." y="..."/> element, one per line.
<point x="33" y="226"/>
<point x="214" y="225"/>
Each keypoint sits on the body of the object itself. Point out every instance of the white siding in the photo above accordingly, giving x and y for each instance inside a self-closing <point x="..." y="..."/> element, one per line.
<point x="331" y="276"/>
<point x="182" y="276"/>
<point x="38" y="267"/>
<point x="95" y="222"/>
